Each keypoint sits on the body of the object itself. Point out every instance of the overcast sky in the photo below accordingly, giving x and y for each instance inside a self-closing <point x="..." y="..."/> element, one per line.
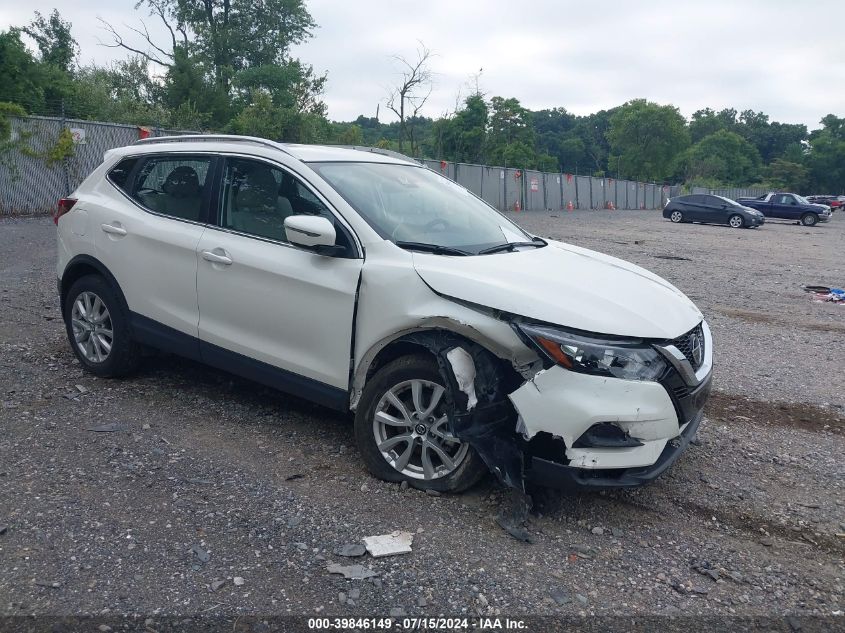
<point x="782" y="57"/>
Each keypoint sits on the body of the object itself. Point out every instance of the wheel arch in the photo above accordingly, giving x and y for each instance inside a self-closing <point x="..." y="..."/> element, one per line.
<point x="83" y="265"/>
<point x="408" y="342"/>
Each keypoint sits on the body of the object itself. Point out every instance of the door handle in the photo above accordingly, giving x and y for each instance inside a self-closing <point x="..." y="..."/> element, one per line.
<point x="113" y="230"/>
<point x="211" y="256"/>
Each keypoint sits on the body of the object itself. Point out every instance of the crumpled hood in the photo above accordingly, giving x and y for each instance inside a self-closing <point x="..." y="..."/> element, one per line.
<point x="565" y="285"/>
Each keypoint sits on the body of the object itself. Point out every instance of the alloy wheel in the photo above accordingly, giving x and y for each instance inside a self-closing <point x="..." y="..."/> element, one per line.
<point x="410" y="429"/>
<point x="92" y="327"/>
<point x="676" y="216"/>
<point x="736" y="221"/>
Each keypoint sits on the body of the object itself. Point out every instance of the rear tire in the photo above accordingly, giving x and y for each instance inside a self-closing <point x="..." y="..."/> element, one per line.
<point x="676" y="217"/>
<point x="809" y="219"/>
<point x="97" y="327"/>
<point x="736" y="221"/>
<point x="396" y="380"/>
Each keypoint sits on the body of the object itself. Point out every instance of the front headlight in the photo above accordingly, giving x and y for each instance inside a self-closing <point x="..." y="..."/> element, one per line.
<point x="631" y="359"/>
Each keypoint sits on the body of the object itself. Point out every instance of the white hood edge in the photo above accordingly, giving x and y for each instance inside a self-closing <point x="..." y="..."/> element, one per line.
<point x="568" y="286"/>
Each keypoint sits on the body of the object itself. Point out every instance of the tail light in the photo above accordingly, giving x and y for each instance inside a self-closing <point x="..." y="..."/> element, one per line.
<point x="65" y="205"/>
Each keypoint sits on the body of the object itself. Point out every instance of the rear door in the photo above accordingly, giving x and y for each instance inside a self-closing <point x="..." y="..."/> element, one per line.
<point x="695" y="208"/>
<point x="714" y="210"/>
<point x="147" y="237"/>
<point x="270" y="310"/>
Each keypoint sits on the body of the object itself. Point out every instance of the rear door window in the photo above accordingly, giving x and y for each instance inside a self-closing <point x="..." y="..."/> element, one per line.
<point x="175" y="186"/>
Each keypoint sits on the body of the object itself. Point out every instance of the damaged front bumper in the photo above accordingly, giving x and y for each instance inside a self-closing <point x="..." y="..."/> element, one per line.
<point x="654" y="422"/>
<point x="555" y="475"/>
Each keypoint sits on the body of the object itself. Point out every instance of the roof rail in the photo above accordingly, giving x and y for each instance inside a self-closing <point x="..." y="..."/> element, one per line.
<point x="210" y="138"/>
<point x="379" y="150"/>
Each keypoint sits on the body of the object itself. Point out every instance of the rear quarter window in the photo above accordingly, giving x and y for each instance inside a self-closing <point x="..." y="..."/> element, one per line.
<point x="120" y="173"/>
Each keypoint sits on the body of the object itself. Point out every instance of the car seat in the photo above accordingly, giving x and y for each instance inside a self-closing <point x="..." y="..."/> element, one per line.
<point x="182" y="194"/>
<point x="257" y="208"/>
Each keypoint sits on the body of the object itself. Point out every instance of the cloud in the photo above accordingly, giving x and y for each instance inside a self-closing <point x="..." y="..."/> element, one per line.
<point x="771" y="55"/>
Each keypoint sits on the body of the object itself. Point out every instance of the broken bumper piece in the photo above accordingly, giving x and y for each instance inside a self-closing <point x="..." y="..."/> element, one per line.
<point x="554" y="475"/>
<point x="594" y="432"/>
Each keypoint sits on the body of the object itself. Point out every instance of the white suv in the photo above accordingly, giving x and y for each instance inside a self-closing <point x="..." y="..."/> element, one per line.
<point x="368" y="283"/>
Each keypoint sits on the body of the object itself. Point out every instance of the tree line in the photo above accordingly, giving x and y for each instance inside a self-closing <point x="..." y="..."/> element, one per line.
<point x="226" y="65"/>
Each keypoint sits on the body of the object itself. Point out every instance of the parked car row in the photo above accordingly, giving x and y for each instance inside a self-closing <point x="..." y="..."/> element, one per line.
<point x="834" y="202"/>
<point x="746" y="212"/>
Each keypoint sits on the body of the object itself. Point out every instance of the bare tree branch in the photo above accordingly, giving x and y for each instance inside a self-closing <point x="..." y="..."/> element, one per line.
<point x="146" y="36"/>
<point x="412" y="92"/>
<point x="119" y="43"/>
<point x="157" y="8"/>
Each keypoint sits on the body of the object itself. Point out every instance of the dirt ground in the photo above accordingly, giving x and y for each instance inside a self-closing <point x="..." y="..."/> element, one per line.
<point x="200" y="493"/>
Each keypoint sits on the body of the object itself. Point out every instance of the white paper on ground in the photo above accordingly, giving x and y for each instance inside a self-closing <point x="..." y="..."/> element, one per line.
<point x="389" y="544"/>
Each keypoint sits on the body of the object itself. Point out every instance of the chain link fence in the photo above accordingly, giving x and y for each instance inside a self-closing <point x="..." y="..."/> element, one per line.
<point x="31" y="183"/>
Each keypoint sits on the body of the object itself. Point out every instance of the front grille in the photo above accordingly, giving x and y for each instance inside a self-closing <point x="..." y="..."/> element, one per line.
<point x="686" y="344"/>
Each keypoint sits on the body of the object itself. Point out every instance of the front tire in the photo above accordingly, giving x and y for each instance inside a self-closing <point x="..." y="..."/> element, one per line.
<point x="401" y="429"/>
<point x="98" y="328"/>
<point x="736" y="221"/>
<point x="809" y="219"/>
<point x="676" y="217"/>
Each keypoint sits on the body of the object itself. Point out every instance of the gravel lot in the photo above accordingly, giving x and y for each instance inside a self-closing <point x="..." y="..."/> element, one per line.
<point x="214" y="495"/>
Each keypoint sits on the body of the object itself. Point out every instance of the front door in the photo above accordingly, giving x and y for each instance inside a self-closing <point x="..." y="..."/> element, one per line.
<point x="270" y="310"/>
<point x="786" y="206"/>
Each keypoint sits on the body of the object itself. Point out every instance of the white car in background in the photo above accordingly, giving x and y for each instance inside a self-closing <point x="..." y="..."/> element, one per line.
<point x="371" y="284"/>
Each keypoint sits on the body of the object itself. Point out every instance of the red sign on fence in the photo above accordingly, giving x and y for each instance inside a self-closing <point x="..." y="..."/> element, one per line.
<point x="535" y="184"/>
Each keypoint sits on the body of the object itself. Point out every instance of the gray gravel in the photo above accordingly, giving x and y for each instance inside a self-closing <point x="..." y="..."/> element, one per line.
<point x="211" y="494"/>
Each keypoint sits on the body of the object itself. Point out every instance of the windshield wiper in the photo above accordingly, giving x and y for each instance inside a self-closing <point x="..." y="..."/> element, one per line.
<point x="437" y="249"/>
<point x="509" y="246"/>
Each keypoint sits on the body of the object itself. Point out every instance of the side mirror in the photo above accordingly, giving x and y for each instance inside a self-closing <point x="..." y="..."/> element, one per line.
<point x="724" y="206"/>
<point x="311" y="231"/>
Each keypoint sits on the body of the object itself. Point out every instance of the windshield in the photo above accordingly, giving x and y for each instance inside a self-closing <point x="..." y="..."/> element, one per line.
<point x="408" y="204"/>
<point x="802" y="199"/>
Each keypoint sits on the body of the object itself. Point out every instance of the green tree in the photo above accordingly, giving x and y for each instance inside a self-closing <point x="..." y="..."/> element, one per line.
<point x="122" y="92"/>
<point x="592" y="131"/>
<point x="222" y="51"/>
<point x="646" y="139"/>
<point x="554" y="131"/>
<point x="510" y="136"/>
<point x="265" y="119"/>
<point x="462" y="137"/>
<point x="348" y="134"/>
<point x="826" y="156"/>
<point x="53" y="37"/>
<point x="723" y="157"/>
<point x="21" y="76"/>
<point x="293" y="86"/>
<point x="770" y="138"/>
<point x="786" y="175"/>
<point x="707" y="121"/>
